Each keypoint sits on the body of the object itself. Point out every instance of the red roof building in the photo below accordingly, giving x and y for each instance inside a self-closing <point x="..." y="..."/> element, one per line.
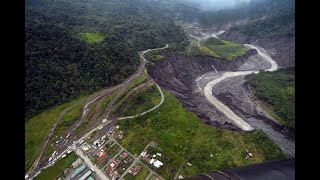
<point x="111" y="167"/>
<point x="102" y="159"/>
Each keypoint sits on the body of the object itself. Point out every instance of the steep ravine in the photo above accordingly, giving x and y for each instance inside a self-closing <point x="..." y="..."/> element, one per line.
<point x="187" y="76"/>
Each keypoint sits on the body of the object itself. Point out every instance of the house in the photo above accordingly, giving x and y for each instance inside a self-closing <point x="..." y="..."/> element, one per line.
<point x="111" y="167"/>
<point x="101" y="159"/>
<point x="135" y="169"/>
<point x="101" y="152"/>
<point x="143" y="154"/>
<point x="124" y="155"/>
<point x="114" y="175"/>
<point x="158" y="164"/>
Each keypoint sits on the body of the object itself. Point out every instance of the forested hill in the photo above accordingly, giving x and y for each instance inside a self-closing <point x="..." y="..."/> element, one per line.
<point x="75" y="47"/>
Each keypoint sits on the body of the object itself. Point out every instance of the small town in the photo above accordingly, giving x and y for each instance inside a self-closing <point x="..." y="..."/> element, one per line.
<point x="105" y="158"/>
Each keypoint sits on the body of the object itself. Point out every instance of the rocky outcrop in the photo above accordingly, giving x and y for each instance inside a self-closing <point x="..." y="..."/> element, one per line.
<point x="281" y="49"/>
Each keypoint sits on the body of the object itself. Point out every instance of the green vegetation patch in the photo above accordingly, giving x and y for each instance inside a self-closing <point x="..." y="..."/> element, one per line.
<point x="277" y="89"/>
<point x="142" y="175"/>
<point x="92" y="37"/>
<point x="207" y="51"/>
<point x="223" y="48"/>
<point x="68" y="119"/>
<point x="57" y="169"/>
<point x="185" y="138"/>
<point x="154" y="56"/>
<point x="144" y="100"/>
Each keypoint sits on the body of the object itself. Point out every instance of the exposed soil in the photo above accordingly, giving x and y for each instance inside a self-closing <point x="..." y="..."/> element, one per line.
<point x="281" y="49"/>
<point x="186" y="77"/>
<point x="178" y="74"/>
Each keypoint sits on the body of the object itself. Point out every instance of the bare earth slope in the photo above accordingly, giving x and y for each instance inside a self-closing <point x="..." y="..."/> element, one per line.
<point x="186" y="77"/>
<point x="178" y="73"/>
<point x="281" y="49"/>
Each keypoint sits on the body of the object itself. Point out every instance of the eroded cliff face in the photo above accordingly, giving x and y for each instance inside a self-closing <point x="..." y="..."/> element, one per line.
<point x="281" y="49"/>
<point x="178" y="74"/>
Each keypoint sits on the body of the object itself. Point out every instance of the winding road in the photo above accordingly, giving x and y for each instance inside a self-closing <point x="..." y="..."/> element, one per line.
<point x="34" y="170"/>
<point x="242" y="124"/>
<point x="147" y="111"/>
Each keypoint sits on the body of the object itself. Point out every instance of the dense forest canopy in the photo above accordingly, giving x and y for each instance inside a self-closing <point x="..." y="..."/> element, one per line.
<point x="62" y="64"/>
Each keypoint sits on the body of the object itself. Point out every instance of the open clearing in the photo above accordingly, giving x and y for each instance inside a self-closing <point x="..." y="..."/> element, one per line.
<point x="92" y="37"/>
<point x="222" y="48"/>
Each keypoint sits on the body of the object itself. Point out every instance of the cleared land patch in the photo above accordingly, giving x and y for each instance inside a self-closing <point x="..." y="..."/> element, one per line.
<point x="223" y="48"/>
<point x="92" y="37"/>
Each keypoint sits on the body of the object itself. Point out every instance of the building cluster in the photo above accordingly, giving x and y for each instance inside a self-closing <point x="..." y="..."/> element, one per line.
<point x="152" y="159"/>
<point x="118" y="135"/>
<point x="118" y="165"/>
<point x="100" y="141"/>
<point x="111" y="169"/>
<point x="79" y="170"/>
<point x="135" y="169"/>
<point x="102" y="156"/>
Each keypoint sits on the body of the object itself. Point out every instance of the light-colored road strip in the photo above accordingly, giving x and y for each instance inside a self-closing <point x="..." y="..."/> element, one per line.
<point x="223" y="108"/>
<point x="145" y="112"/>
<point x="87" y="160"/>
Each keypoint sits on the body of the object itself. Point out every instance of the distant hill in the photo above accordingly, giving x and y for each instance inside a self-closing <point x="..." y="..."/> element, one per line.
<point x="76" y="47"/>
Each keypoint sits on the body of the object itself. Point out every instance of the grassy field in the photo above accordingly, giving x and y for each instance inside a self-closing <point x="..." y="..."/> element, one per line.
<point x="68" y="119"/>
<point x="37" y="129"/>
<point x="133" y="84"/>
<point x="144" y="100"/>
<point x="184" y="138"/>
<point x="57" y="169"/>
<point x="207" y="51"/>
<point x="223" y="48"/>
<point x="92" y="37"/>
<point x="277" y="90"/>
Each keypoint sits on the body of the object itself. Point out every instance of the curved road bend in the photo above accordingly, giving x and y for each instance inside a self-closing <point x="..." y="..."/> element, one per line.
<point x="223" y="108"/>
<point x="147" y="111"/>
<point x="138" y="73"/>
<point x="99" y="95"/>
